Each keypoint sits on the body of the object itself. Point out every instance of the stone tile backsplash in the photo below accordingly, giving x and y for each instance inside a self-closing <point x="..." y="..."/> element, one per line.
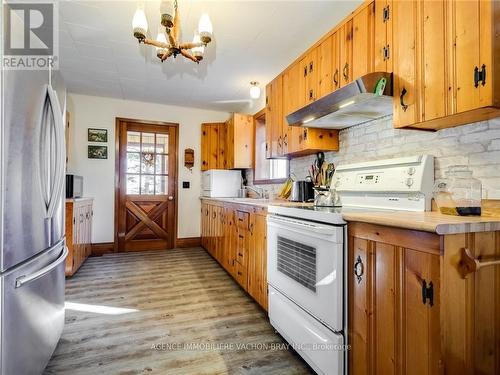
<point x="476" y="145"/>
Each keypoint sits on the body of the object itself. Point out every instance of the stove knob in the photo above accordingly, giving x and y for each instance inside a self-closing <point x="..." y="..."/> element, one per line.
<point x="411" y="171"/>
<point x="409" y="182"/>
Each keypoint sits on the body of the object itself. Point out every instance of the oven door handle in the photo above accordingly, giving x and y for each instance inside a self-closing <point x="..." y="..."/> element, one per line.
<point x="307" y="226"/>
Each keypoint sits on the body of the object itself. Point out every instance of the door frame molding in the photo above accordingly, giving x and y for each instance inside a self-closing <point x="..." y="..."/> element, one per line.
<point x="118" y="121"/>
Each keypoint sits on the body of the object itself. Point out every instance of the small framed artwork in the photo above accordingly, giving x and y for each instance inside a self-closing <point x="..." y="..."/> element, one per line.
<point x="97" y="135"/>
<point x="97" y="152"/>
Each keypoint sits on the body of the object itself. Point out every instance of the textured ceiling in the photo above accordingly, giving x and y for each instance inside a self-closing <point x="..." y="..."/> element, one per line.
<point x="253" y="40"/>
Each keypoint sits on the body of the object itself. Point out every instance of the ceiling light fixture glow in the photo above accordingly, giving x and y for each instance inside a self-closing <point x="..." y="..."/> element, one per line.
<point x="254" y="90"/>
<point x="140" y="24"/>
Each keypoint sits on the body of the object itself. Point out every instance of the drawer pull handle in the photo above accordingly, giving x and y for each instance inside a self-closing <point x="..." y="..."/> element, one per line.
<point x="427" y="293"/>
<point x="402" y="100"/>
<point x="469" y="264"/>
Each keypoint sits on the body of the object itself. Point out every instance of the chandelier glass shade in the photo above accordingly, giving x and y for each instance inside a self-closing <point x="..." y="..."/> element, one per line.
<point x="167" y="43"/>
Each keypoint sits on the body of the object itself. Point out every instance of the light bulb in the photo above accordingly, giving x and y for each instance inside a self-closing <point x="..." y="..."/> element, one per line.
<point x="198" y="51"/>
<point x="254" y="90"/>
<point x="205" y="28"/>
<point x="140" y="24"/>
<point x="167" y="13"/>
<point x="162" y="39"/>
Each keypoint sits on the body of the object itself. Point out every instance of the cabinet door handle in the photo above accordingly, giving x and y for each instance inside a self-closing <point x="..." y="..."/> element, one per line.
<point x="305" y="71"/>
<point x="279" y="141"/>
<point x="402" y="100"/>
<point x="345" y="71"/>
<point x="311" y="94"/>
<point x="427" y="293"/>
<point x="285" y="140"/>
<point x="311" y="67"/>
<point x="336" y="77"/>
<point x="359" y="269"/>
<point x="240" y="254"/>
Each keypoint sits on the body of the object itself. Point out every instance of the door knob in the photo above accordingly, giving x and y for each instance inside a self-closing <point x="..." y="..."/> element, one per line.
<point x="170" y="198"/>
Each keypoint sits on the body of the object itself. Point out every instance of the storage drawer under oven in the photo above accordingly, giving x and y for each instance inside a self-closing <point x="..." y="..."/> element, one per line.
<point x="321" y="348"/>
<point x="305" y="263"/>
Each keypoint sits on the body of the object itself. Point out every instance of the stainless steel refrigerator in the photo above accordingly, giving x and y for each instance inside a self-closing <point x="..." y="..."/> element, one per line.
<point x="32" y="243"/>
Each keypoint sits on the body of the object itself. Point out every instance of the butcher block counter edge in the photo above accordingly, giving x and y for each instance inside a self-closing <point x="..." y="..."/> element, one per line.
<point x="430" y="221"/>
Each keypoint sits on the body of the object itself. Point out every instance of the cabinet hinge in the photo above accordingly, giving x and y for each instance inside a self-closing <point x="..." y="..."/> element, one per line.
<point x="427" y="293"/>
<point x="386" y="14"/>
<point x="480" y="76"/>
<point x="386" y="52"/>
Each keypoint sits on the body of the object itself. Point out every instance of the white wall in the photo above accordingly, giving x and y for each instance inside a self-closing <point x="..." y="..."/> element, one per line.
<point x="98" y="112"/>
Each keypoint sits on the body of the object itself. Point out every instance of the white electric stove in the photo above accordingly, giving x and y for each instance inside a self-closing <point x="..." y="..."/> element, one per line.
<point x="307" y="254"/>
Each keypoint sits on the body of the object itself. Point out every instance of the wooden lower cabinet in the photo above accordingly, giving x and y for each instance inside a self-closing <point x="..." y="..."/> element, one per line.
<point x="235" y="235"/>
<point x="79" y="215"/>
<point x="394" y="301"/>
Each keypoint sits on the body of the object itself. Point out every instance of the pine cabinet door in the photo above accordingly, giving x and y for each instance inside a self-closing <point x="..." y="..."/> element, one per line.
<point x="345" y="48"/>
<point x="325" y="67"/>
<point x="363" y="42"/>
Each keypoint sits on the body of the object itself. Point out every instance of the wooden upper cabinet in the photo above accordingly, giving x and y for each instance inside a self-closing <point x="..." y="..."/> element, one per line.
<point x="406" y="63"/>
<point x="444" y="71"/>
<point x="276" y="128"/>
<point x="240" y="141"/>
<point x="291" y="102"/>
<point x="382" y="50"/>
<point x="213" y="145"/>
<point x="345" y="53"/>
<point x="326" y="66"/>
<point x="363" y="41"/>
<point x="473" y="25"/>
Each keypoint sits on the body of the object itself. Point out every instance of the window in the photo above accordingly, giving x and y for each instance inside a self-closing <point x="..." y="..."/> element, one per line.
<point x="269" y="171"/>
<point x="147" y="163"/>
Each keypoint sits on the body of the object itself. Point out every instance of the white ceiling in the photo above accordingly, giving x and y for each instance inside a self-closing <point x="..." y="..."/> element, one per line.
<point x="253" y="40"/>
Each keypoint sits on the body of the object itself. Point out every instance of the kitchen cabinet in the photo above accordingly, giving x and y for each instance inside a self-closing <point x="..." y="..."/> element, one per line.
<point x="394" y="308"/>
<point x="79" y="214"/>
<point x="239" y="141"/>
<point x="345" y="52"/>
<point x="309" y="69"/>
<point x="276" y="126"/>
<point x="257" y="258"/>
<point x="363" y="41"/>
<point x="213" y="146"/>
<point x="383" y="49"/>
<point x="328" y="65"/>
<point x="236" y="237"/>
<point x="444" y="70"/>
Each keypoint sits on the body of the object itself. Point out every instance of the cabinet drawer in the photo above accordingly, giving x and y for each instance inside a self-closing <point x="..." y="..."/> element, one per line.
<point x="242" y="219"/>
<point x="241" y="275"/>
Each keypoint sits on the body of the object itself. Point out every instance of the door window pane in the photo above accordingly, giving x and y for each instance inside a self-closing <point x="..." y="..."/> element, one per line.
<point x="132" y="184"/>
<point x="162" y="143"/>
<point x="133" y="141"/>
<point x="147" y="185"/>
<point x="148" y="142"/>
<point x="133" y="164"/>
<point x="161" y="185"/>
<point x="148" y="163"/>
<point x="161" y="164"/>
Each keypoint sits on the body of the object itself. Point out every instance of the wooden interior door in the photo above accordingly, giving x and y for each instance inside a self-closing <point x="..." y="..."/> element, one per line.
<point x="146" y="207"/>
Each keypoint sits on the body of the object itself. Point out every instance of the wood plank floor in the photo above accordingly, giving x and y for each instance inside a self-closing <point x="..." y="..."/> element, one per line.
<point x="144" y="313"/>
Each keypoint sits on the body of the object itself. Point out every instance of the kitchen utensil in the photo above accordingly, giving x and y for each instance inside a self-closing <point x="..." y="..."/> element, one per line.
<point x="302" y="191"/>
<point x="325" y="197"/>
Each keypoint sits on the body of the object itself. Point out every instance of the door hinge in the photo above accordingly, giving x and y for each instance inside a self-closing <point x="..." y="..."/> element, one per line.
<point x="427" y="293"/>
<point x="386" y="14"/>
<point x="480" y="76"/>
<point x="386" y="52"/>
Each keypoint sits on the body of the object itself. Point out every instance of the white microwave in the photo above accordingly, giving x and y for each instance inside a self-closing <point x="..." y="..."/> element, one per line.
<point x="220" y="183"/>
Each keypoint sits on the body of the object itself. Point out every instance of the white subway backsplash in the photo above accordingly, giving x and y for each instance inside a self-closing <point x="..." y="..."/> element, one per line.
<point x="476" y="145"/>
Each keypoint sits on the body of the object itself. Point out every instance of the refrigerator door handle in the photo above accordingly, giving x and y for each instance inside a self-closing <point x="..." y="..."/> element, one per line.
<point x="60" y="158"/>
<point x="25" y="279"/>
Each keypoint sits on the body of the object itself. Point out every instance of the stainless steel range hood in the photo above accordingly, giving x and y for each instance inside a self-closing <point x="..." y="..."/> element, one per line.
<point x="362" y="100"/>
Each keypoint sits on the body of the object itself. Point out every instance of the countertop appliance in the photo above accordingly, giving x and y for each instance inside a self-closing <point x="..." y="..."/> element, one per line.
<point x="307" y="266"/>
<point x="32" y="247"/>
<point x="302" y="191"/>
<point x="74" y="186"/>
<point x="366" y="98"/>
<point x="220" y="183"/>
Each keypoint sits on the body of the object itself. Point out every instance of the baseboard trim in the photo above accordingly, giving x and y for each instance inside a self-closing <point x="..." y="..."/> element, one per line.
<point x="100" y="248"/>
<point x="188" y="242"/>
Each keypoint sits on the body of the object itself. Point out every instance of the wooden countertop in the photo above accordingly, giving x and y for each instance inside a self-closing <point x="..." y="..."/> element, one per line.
<point x="424" y="221"/>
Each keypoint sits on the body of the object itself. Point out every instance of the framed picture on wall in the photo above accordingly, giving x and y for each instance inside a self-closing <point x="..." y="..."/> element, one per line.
<point x="97" y="135"/>
<point x="97" y="152"/>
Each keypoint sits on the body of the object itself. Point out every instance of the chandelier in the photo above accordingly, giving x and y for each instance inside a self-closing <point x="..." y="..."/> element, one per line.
<point x="172" y="47"/>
